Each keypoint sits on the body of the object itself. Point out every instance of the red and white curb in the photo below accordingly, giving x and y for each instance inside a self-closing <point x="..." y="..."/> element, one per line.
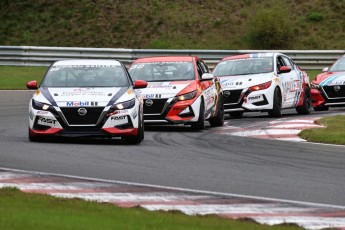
<point x="282" y="129"/>
<point x="190" y="202"/>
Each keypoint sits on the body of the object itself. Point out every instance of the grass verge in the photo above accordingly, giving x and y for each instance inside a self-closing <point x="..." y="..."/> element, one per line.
<point x="15" y="77"/>
<point x="20" y="210"/>
<point x="333" y="133"/>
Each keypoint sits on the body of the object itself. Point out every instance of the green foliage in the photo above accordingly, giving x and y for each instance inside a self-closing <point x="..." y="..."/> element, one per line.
<point x="270" y="28"/>
<point x="315" y="17"/>
<point x="189" y="24"/>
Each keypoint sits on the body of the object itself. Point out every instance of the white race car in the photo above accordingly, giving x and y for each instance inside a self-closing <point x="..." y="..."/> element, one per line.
<point x="86" y="98"/>
<point x="263" y="82"/>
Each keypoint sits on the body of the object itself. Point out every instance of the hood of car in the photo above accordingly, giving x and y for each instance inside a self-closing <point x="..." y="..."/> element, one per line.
<point x="330" y="78"/>
<point x="164" y="89"/>
<point x="80" y="96"/>
<point x="244" y="81"/>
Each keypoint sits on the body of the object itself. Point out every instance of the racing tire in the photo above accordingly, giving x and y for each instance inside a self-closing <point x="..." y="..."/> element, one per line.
<point x="321" y="108"/>
<point x="218" y="120"/>
<point x="277" y="104"/>
<point x="200" y="124"/>
<point x="133" y="140"/>
<point x="305" y="108"/>
<point x="237" y="114"/>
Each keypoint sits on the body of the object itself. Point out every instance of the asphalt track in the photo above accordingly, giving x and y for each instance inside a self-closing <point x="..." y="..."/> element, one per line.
<point x="177" y="157"/>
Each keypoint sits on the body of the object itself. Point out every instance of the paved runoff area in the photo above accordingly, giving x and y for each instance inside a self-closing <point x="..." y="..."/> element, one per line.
<point x="190" y="202"/>
<point x="282" y="129"/>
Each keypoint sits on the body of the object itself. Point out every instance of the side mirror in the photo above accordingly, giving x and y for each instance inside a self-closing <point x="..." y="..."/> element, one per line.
<point x="139" y="84"/>
<point x="207" y="76"/>
<point x="325" y="69"/>
<point x="285" y="69"/>
<point x="32" y="85"/>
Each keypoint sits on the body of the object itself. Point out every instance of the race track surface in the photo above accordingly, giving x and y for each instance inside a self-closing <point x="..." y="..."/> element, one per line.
<point x="177" y="157"/>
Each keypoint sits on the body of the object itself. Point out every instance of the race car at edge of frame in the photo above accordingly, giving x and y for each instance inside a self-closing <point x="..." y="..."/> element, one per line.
<point x="180" y="91"/>
<point x="265" y="82"/>
<point x="328" y="88"/>
<point x="86" y="98"/>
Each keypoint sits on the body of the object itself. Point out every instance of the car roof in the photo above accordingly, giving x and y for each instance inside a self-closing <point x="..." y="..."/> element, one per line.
<point x="87" y="62"/>
<point x="166" y="59"/>
<point x="251" y="55"/>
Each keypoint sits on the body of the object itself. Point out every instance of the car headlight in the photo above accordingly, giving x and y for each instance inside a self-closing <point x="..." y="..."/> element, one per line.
<point x="262" y="86"/>
<point x="41" y="106"/>
<point x="123" y="105"/>
<point x="186" y="96"/>
<point x="314" y="86"/>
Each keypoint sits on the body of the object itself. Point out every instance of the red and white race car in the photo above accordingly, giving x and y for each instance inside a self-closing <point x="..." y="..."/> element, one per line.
<point x="180" y="91"/>
<point x="267" y="82"/>
<point x="328" y="88"/>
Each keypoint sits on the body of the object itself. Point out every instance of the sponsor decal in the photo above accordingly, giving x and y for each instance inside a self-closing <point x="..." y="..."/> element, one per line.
<point x="148" y="96"/>
<point x="292" y="86"/>
<point x="118" y="118"/>
<point x="230" y="83"/>
<point x="334" y="80"/>
<point x="160" y="85"/>
<point x="42" y="112"/>
<point x="254" y="98"/>
<point x="46" y="121"/>
<point x="82" y="93"/>
<point x="81" y="103"/>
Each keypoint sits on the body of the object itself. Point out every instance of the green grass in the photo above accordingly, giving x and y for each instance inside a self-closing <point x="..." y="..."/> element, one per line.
<point x="334" y="133"/>
<point x="315" y="24"/>
<point x="34" y="211"/>
<point x="15" y="77"/>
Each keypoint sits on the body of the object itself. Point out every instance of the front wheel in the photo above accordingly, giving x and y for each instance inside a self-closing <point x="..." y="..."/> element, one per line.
<point x="277" y="104"/>
<point x="305" y="108"/>
<point x="218" y="120"/>
<point x="200" y="124"/>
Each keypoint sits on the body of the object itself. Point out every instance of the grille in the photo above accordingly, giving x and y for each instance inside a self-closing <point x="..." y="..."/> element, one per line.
<point x="234" y="96"/>
<point x="331" y="93"/>
<point x="156" y="107"/>
<point x="90" y="118"/>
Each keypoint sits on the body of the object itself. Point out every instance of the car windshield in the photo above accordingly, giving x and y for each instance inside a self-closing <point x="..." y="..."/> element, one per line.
<point x="244" y="66"/>
<point x="339" y="65"/>
<point x="162" y="71"/>
<point x="86" y="76"/>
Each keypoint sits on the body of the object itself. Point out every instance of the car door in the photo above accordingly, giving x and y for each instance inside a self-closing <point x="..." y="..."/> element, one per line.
<point x="296" y="86"/>
<point x="288" y="82"/>
<point x="209" y="89"/>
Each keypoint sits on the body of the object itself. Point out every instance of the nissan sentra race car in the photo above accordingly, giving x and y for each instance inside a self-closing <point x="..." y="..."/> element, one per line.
<point x="86" y="98"/>
<point x="180" y="91"/>
<point x="266" y="82"/>
<point x="328" y="88"/>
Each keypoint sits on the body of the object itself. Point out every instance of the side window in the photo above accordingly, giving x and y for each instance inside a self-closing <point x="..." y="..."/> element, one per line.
<point x="288" y="62"/>
<point x="280" y="63"/>
<point x="204" y="67"/>
<point x="201" y="70"/>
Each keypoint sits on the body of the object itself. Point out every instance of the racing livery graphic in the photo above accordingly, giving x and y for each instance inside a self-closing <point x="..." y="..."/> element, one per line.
<point x="328" y="88"/>
<point x="86" y="98"/>
<point x="267" y="82"/>
<point x="180" y="91"/>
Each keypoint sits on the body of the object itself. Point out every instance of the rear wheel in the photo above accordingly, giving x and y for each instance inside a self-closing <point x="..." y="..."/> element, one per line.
<point x="321" y="108"/>
<point x="218" y="120"/>
<point x="277" y="104"/>
<point x="200" y="124"/>
<point x="137" y="138"/>
<point x="305" y="108"/>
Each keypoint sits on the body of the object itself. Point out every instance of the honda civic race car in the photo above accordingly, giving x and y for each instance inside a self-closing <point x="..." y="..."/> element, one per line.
<point x="180" y="91"/>
<point x="267" y="82"/>
<point x="86" y="98"/>
<point x="328" y="88"/>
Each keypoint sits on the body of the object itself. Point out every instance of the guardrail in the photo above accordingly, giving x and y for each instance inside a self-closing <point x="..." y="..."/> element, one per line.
<point x="44" y="56"/>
